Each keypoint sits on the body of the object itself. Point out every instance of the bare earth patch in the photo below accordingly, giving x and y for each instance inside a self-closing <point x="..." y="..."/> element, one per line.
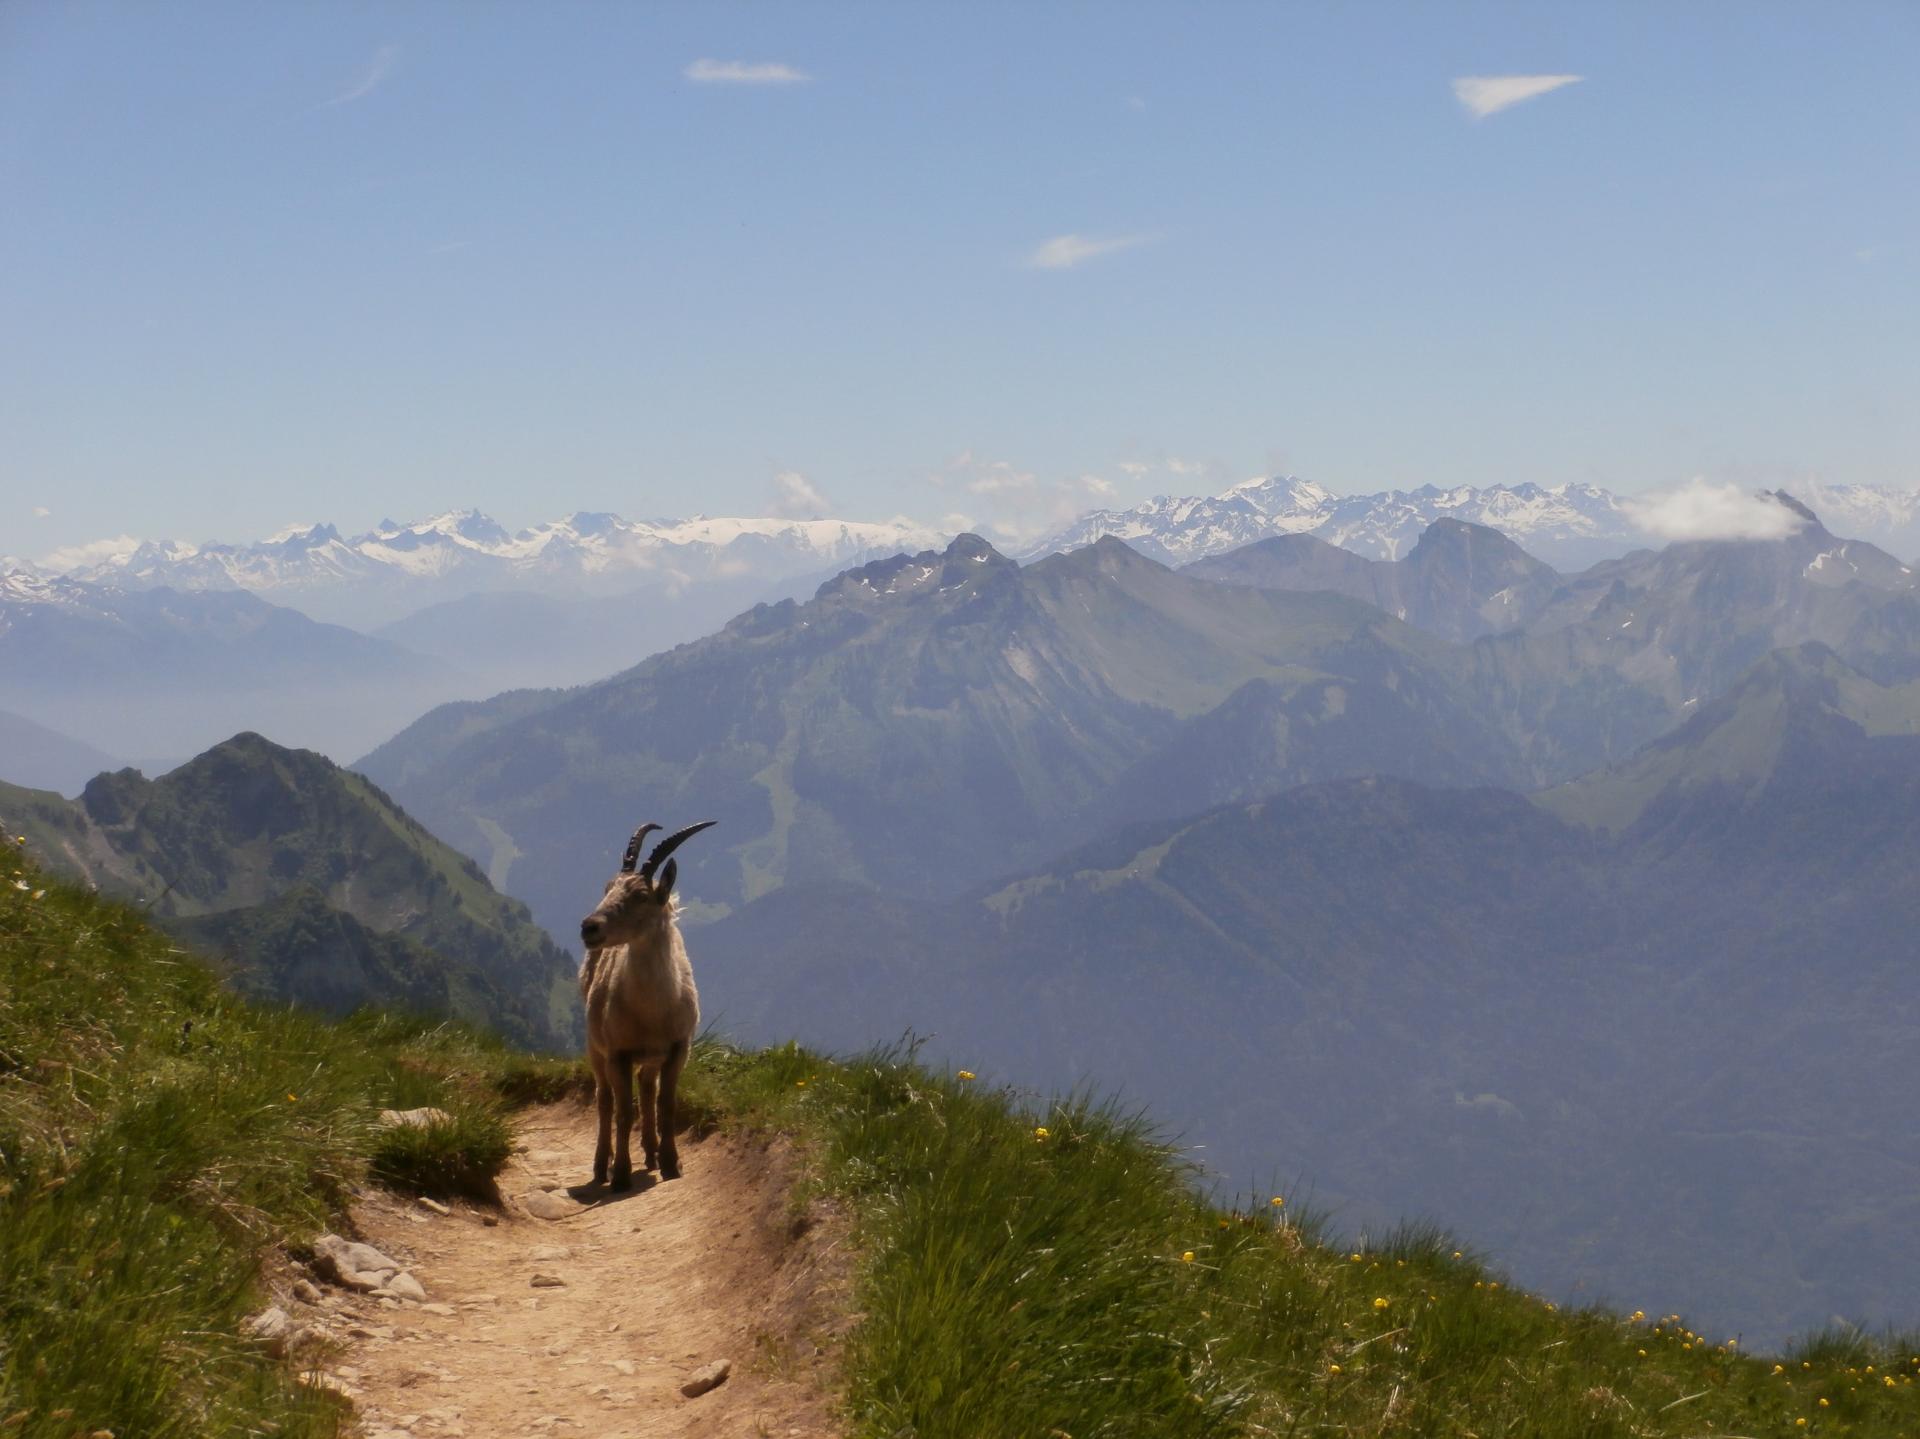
<point x="591" y="1323"/>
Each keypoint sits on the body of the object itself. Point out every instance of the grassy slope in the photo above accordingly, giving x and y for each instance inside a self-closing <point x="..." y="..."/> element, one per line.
<point x="156" y="1134"/>
<point x="1029" y="1269"/>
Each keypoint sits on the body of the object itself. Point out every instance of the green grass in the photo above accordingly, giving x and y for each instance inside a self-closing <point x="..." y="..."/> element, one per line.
<point x="1024" y="1268"/>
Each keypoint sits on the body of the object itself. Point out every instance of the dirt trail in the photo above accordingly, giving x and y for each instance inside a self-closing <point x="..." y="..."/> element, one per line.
<point x="652" y="1286"/>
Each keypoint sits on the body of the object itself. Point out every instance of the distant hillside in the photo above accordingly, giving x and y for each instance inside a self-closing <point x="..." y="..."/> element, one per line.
<point x="39" y="758"/>
<point x="311" y="885"/>
<point x="1677" y="990"/>
<point x="1459" y="581"/>
<point x="160" y="672"/>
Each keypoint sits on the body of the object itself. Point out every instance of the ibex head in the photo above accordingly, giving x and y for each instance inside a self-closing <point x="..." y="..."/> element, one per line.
<point x="638" y="899"/>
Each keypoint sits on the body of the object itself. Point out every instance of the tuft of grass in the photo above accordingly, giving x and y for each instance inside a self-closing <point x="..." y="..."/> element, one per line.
<point x="455" y="1156"/>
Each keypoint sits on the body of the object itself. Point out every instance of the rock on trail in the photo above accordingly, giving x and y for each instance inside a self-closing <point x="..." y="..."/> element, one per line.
<point x="603" y="1319"/>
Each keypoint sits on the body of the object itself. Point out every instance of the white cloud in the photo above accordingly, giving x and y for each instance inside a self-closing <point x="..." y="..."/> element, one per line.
<point x="1096" y="485"/>
<point x="1063" y="252"/>
<point x="742" y="72"/>
<point x="1702" y="510"/>
<point x="795" y="497"/>
<point x="1485" y="95"/>
<point x="377" y="69"/>
<point x="1134" y="469"/>
<point x="1178" y="466"/>
<point x="40" y="512"/>
<point x="1001" y="478"/>
<point x="94" y="552"/>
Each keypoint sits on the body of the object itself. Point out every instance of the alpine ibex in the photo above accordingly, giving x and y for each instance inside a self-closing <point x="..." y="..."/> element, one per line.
<point x="641" y="1007"/>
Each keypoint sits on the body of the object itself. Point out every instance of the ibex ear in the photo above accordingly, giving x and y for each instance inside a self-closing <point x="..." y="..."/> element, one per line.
<point x="663" y="886"/>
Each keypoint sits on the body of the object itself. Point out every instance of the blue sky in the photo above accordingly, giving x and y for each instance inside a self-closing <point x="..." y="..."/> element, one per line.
<point x="267" y="263"/>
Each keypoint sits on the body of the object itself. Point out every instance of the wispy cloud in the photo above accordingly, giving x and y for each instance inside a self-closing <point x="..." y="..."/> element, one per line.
<point x="795" y="497"/>
<point x="744" y="72"/>
<point x="1703" y="510"/>
<point x="377" y="69"/>
<point x="1021" y="505"/>
<point x="40" y="512"/>
<point x="1063" y="252"/>
<point x="1485" y="95"/>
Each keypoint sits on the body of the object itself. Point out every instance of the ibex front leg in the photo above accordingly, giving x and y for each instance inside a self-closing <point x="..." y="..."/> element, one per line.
<point x="622" y="1066"/>
<point x="603" y="1101"/>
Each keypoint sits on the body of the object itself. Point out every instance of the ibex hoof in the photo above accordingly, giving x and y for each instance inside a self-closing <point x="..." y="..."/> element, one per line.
<point x="669" y="1166"/>
<point x="622" y="1181"/>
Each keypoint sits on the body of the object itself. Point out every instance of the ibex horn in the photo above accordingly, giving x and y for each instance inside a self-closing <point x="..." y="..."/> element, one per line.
<point x="672" y="842"/>
<point x="632" y="855"/>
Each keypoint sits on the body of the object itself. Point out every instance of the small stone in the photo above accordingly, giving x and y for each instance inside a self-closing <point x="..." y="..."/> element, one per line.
<point x="405" y="1286"/>
<point x="438" y="1309"/>
<point x="550" y="1252"/>
<point x="270" y="1326"/>
<point x="306" y="1291"/>
<point x="622" y="1366"/>
<point x="490" y="1220"/>
<point x="354" y="1266"/>
<point x="711" y="1377"/>
<point x="544" y="1205"/>
<point x="547" y="1281"/>
<point x="434" y="1206"/>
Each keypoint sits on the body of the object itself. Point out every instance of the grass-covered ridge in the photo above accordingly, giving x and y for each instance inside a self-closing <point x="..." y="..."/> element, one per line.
<point x="1026" y="1268"/>
<point x="1052" y="1271"/>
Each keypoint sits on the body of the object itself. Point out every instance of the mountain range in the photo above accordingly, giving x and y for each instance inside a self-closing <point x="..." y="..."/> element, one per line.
<point x="710" y="567"/>
<point x="310" y="885"/>
<point x="926" y="722"/>
<point x="1569" y="526"/>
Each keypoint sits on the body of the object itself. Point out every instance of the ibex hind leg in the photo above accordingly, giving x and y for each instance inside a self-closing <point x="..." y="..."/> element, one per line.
<point x="669" y="1091"/>
<point x="649" y="1108"/>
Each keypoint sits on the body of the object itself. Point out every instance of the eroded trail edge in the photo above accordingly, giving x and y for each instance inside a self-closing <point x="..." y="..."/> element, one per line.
<point x="576" y="1311"/>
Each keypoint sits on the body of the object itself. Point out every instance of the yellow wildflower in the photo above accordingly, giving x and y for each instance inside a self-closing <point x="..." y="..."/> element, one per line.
<point x="1643" y="1354"/>
<point x="1277" y="1201"/>
<point x="1823" y="1403"/>
<point x="1040" y="1132"/>
<point x="1187" y="1258"/>
<point x="1333" y="1369"/>
<point x="1380" y="1304"/>
<point x="967" y="1074"/>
